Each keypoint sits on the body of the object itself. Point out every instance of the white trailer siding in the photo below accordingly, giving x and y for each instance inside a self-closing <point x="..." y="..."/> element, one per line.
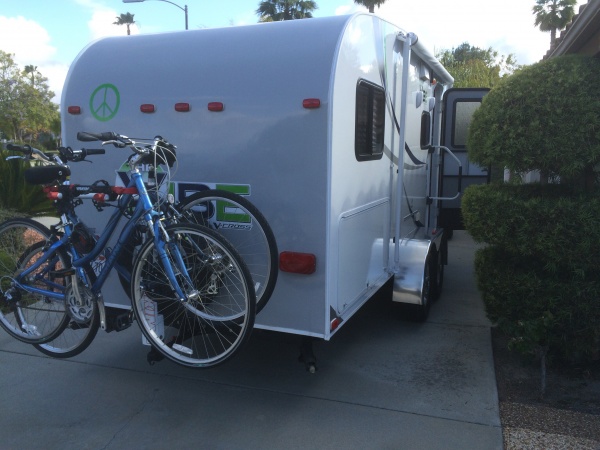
<point x="298" y="164"/>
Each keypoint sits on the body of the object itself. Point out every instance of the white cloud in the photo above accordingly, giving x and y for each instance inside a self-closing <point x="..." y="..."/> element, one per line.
<point x="30" y="44"/>
<point x="439" y="24"/>
<point x="27" y="39"/>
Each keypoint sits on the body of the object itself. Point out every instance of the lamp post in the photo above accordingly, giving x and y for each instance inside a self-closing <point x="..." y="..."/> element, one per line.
<point x="184" y="9"/>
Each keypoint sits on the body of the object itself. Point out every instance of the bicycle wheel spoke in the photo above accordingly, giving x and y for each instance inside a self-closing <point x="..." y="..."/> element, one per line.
<point x="217" y="314"/>
<point x="29" y="316"/>
<point x="242" y="224"/>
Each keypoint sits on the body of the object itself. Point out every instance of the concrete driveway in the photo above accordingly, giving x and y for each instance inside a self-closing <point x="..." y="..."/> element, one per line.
<point x="382" y="383"/>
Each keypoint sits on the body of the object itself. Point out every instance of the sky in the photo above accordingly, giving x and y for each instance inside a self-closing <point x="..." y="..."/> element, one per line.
<point x="50" y="33"/>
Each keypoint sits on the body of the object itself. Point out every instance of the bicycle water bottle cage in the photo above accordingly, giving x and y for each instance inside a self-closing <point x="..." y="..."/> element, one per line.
<point x="46" y="174"/>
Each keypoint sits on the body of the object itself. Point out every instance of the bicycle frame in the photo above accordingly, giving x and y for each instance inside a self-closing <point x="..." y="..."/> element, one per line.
<point x="144" y="209"/>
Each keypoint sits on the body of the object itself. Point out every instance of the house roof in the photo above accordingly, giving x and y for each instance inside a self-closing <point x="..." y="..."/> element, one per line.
<point x="582" y="34"/>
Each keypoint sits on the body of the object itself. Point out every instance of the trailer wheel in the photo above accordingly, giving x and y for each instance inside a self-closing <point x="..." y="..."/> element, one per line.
<point x="438" y="271"/>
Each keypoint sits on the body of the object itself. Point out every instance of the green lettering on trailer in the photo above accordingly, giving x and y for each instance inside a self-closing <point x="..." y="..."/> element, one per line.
<point x="225" y="211"/>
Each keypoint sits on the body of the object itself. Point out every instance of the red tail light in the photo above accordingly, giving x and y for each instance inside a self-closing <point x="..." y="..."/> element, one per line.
<point x="293" y="262"/>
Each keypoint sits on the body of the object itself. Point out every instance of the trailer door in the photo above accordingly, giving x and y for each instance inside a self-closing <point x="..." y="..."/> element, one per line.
<point x="459" y="105"/>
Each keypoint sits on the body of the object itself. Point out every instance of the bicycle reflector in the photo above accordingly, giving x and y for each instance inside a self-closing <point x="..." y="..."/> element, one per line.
<point x="294" y="262"/>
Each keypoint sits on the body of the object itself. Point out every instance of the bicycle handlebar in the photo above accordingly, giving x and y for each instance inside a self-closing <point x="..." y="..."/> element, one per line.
<point x="86" y="136"/>
<point x="28" y="150"/>
<point x="160" y="152"/>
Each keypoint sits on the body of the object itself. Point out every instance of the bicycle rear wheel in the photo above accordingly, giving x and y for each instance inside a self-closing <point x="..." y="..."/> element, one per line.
<point x="30" y="317"/>
<point x="215" y="319"/>
<point x="84" y="320"/>
<point x="244" y="226"/>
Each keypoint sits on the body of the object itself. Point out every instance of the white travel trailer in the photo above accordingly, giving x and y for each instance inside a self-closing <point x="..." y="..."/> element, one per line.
<point x="333" y="128"/>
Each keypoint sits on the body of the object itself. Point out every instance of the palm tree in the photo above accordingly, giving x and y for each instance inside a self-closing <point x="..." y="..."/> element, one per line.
<point x="32" y="70"/>
<point x="276" y="10"/>
<point x="553" y="15"/>
<point x="125" y="19"/>
<point x="371" y="4"/>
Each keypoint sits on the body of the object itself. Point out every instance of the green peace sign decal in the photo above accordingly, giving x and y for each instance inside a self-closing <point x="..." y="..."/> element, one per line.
<point x="104" y="102"/>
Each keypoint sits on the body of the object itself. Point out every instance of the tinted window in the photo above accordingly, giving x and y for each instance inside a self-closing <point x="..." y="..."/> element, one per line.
<point x="370" y="121"/>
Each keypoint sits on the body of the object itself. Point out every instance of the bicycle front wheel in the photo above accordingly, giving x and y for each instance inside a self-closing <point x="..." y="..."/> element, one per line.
<point x="244" y="226"/>
<point x="34" y="318"/>
<point x="215" y="317"/>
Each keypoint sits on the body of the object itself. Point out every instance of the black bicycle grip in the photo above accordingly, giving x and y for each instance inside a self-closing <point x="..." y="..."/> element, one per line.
<point x="93" y="151"/>
<point x="86" y="136"/>
<point x="19" y="148"/>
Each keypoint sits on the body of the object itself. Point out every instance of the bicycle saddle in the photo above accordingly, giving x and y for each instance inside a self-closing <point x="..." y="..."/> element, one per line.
<point x="46" y="174"/>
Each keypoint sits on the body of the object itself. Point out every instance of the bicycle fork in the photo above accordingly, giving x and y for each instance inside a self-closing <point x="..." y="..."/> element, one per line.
<point x="172" y="262"/>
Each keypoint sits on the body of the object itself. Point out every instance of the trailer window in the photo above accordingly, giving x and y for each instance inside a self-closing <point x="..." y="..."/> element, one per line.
<point x="463" y="114"/>
<point x="370" y="121"/>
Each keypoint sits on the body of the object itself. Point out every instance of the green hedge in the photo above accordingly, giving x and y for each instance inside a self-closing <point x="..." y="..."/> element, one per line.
<point x="538" y="308"/>
<point x="551" y="223"/>
<point x="540" y="273"/>
<point x="15" y="193"/>
<point x="544" y="117"/>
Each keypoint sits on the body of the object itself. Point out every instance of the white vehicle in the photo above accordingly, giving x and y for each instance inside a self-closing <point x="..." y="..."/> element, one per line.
<point x="331" y="126"/>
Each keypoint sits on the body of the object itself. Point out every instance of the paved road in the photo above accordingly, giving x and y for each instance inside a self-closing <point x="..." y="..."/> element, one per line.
<point x="382" y="383"/>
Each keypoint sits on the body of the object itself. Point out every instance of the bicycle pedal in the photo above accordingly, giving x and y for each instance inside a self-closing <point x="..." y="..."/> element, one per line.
<point x="62" y="273"/>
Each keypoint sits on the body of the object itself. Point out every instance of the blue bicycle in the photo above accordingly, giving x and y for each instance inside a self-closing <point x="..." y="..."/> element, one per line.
<point x="192" y="294"/>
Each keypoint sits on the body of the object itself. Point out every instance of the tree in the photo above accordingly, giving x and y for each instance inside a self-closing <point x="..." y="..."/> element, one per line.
<point x="553" y="15"/>
<point x="475" y="67"/>
<point x="26" y="106"/>
<point x="538" y="273"/>
<point x="370" y="4"/>
<point x="125" y="19"/>
<point x="276" y="10"/>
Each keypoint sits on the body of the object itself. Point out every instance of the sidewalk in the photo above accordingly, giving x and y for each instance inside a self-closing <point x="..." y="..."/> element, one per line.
<point x="382" y="383"/>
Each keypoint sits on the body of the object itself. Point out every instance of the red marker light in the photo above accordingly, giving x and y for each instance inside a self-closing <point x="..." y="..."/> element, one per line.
<point x="335" y="323"/>
<point x="293" y="262"/>
<point x="147" y="108"/>
<point x="182" y="107"/>
<point x="75" y="110"/>
<point x="311" y="103"/>
<point x="216" y="106"/>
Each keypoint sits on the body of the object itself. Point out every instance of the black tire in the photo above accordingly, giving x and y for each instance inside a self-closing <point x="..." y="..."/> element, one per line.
<point x="217" y="316"/>
<point x="254" y="240"/>
<point x="77" y="335"/>
<point x="437" y="275"/>
<point x="29" y="317"/>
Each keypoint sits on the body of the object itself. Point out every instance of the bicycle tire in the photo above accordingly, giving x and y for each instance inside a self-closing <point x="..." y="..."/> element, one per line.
<point x="77" y="336"/>
<point x="253" y="239"/>
<point x="204" y="329"/>
<point x="30" y="317"/>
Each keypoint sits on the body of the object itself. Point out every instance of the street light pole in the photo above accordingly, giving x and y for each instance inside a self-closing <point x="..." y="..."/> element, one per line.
<point x="184" y="9"/>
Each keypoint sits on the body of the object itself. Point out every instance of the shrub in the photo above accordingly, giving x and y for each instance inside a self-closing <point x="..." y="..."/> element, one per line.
<point x="544" y="117"/>
<point x="540" y="309"/>
<point x="15" y="194"/>
<point x="539" y="273"/>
